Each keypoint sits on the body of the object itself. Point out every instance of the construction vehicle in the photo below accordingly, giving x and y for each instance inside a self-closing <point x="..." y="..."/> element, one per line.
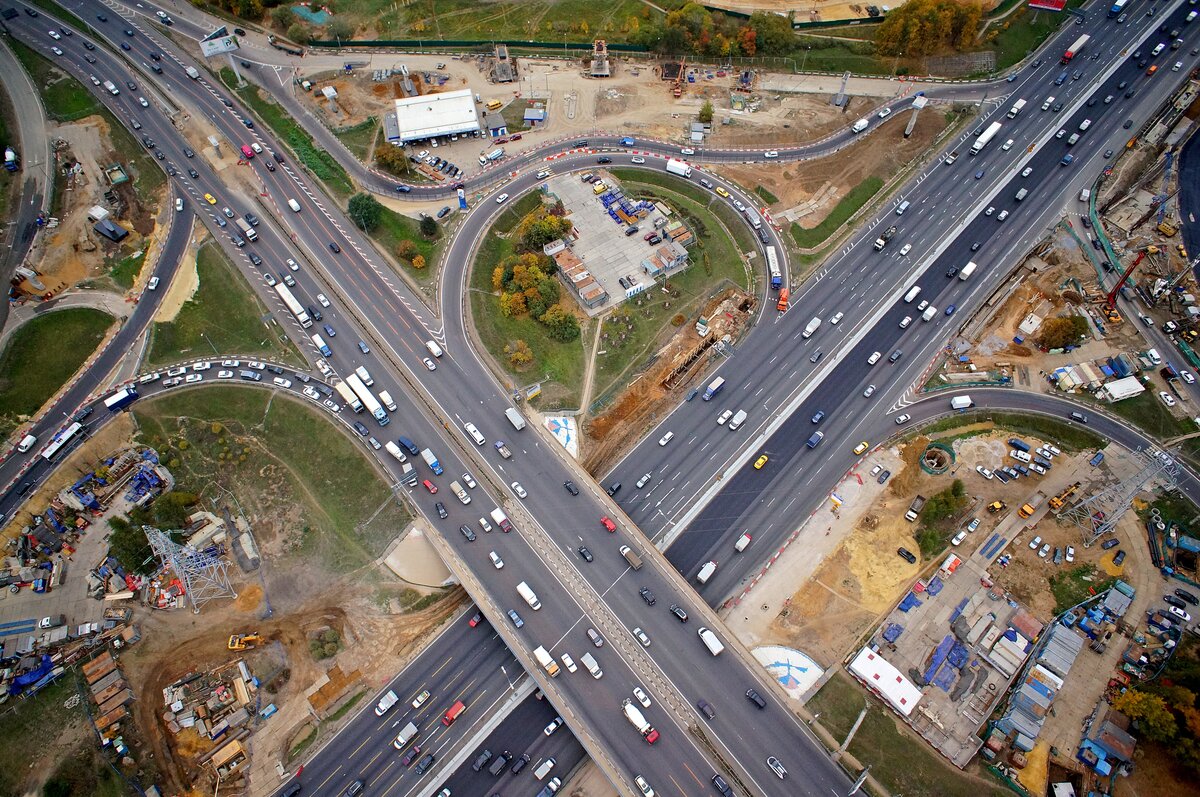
<point x="1167" y="229"/>
<point x="1057" y="501"/>
<point x="1110" y="301"/>
<point x="244" y="641"/>
<point x="677" y="88"/>
<point x="997" y="506"/>
<point x="1029" y="507"/>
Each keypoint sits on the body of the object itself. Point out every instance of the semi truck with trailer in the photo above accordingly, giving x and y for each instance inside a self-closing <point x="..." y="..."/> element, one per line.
<point x="679" y="167"/>
<point x="547" y="661"/>
<point x="515" y="418"/>
<point x="431" y="461"/>
<point x="638" y="720"/>
<point x="1075" y="48"/>
<point x="293" y="306"/>
<point x="986" y="137"/>
<point x="247" y="229"/>
<point x="914" y="509"/>
<point x="348" y="396"/>
<point x="368" y="399"/>
<point x="884" y="237"/>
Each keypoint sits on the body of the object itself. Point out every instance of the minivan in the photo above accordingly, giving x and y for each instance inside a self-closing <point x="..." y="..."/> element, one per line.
<point x="901" y="208"/>
<point x="294" y="205"/>
<point x="738" y="419"/>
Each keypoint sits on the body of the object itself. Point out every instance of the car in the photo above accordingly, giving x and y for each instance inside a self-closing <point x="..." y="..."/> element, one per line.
<point x="192" y="173"/>
<point x="429" y="364"/>
<point x="758" y="463"/>
<point x="500" y="200"/>
<point x="1108" y="153"/>
<point x="407" y="759"/>
<point x="125" y="46"/>
<point x="640" y="635"/>
<point x="895" y="356"/>
<point x="363" y="347"/>
<point x="962" y="535"/>
<point x="604" y="159"/>
<point x="1119" y="559"/>
<point x="329" y="331"/>
<point x="613" y="488"/>
<point x="152" y="284"/>
<point x="1003" y="215"/>
<point x="322" y="300"/>
<point x="1044" y="551"/>
<point x="268" y="277"/>
<point x="687" y="151"/>
<point x="519" y="490"/>
<point x="1062" y="131"/>
<point x="470" y="535"/>
<point x="903" y="419"/>
<point x="209" y="198"/>
<point x="1175" y="611"/>
<point x="979" y="174"/>
<point x="1166" y="398"/>
<point x="430" y="486"/>
<point x="444" y="212"/>
<point x="870" y="391"/>
<point x="721" y="192"/>
<point x="1128" y="124"/>
<point x="607" y="523"/>
<point x="570" y="487"/>
<point x="554" y="725"/>
<point x="637" y="159"/>
<point x="224" y="374"/>
<point x="950" y="310"/>
<point x="991" y="209"/>
<point x="1186" y="376"/>
<point x="723" y="417"/>
<point x="836" y="318"/>
<point x="594" y="635"/>
<point x="643" y="786"/>
<point x="816" y="357"/>
<point x="641" y="696"/>
<point x="820" y="416"/>
<point x="1189" y="597"/>
<point x="420" y="699"/>
<point x="54" y="35"/>
<point x="441" y="510"/>
<point x="771" y="154"/>
<point x="333" y="247"/>
<point x="516" y="618"/>
<point x="647" y="596"/>
<point x="904" y="250"/>
<point x="883" y="477"/>
<point x="255" y="259"/>
<point x="874" y="358"/>
<point x="861" y="447"/>
<point x="679" y="612"/>
<point x="586" y="553"/>
<point x="474" y="621"/>
<point x="984" y="472"/>
<point x="776" y="767"/>
<point x="1113" y="543"/>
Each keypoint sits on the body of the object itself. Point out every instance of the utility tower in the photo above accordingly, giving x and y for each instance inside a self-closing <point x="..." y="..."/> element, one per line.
<point x="1098" y="515"/>
<point x="203" y="573"/>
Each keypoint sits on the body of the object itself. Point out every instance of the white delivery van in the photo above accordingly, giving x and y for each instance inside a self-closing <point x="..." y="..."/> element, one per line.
<point x="589" y="661"/>
<point x="902" y="207"/>
<point x="543" y="769"/>
<point x="386" y="398"/>
<point x="738" y="419"/>
<point x="458" y="490"/>
<point x="434" y="349"/>
<point x="475" y="434"/>
<point x="26" y="443"/>
<point x="710" y="641"/>
<point x="530" y="597"/>
<point x="364" y="375"/>
<point x="294" y="205"/>
<point x="913" y="293"/>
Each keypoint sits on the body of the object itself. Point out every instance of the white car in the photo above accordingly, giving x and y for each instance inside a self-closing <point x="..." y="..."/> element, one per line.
<point x="687" y="151"/>
<point x="224" y="374"/>
<point x="142" y="102"/>
<point x="874" y="358"/>
<point x="921" y="307"/>
<point x="333" y="406"/>
<point x="637" y="159"/>
<point x="293" y="265"/>
<point x="643" y="786"/>
<point x="322" y="300"/>
<point x="1035" y="542"/>
<point x="519" y="490"/>
<point x="500" y="200"/>
<point x="1028" y="170"/>
<point x="201" y="366"/>
<point x="152" y="284"/>
<point x="904" y="250"/>
<point x="991" y="209"/>
<point x="1007" y="145"/>
<point x="771" y="154"/>
<point x="54" y="35"/>
<point x="1070" y="554"/>
<point x="903" y="419"/>
<point x="230" y="363"/>
<point x="191" y="379"/>
<point x="1003" y="215"/>
<point x="641" y="697"/>
<point x="985" y="473"/>
<point x="958" y="538"/>
<point x="430" y="364"/>
<point x="1044" y="552"/>
<point x="470" y="480"/>
<point x="568" y="662"/>
<point x="543" y="174"/>
<point x="312" y="393"/>
<point x="178" y="204"/>
<point x="554" y="725"/>
<point x="421" y="698"/>
<point x="974" y="524"/>
<point x="496" y="560"/>
<point x="1036" y="468"/>
<point x="324" y="368"/>
<point x="281" y="382"/>
<point x="870" y="391"/>
<point x="1186" y="376"/>
<point x="885" y="113"/>
<point x="875" y="470"/>
<point x="1166" y="398"/>
<point x="56" y="51"/>
<point x="836" y="318"/>
<point x="723" y="417"/>
<point x="1175" y="611"/>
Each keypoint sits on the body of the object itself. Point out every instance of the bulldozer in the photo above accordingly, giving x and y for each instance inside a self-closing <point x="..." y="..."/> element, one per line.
<point x="244" y="641"/>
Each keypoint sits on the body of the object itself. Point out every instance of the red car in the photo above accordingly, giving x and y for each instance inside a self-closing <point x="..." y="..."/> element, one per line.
<point x="476" y="620"/>
<point x="501" y="140"/>
<point x="430" y="486"/>
<point x="649" y="235"/>
<point x="517" y="137"/>
<point x="608" y="524"/>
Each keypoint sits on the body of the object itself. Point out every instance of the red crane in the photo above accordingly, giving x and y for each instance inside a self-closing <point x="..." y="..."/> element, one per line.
<point x="1111" y="301"/>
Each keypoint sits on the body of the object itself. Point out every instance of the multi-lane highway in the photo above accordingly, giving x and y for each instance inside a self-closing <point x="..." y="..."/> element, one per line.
<point x="370" y="305"/>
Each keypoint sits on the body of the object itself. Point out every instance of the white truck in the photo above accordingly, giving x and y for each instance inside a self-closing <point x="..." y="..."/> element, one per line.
<point x="395" y="451"/>
<point x="515" y="418"/>
<point x="710" y="641"/>
<point x="812" y="327"/>
<point x="884" y="237"/>
<point x="385" y="703"/>
<point x="929" y="313"/>
<point x="111" y="87"/>
<point x="679" y="167"/>
<point x="192" y="73"/>
<point x="743" y="542"/>
<point x="348" y="396"/>
<point x="593" y="667"/>
<point x="387" y="400"/>
<point x="706" y="572"/>
<point x="860" y="125"/>
<point x="967" y="271"/>
<point x="529" y="595"/>
<point x="1016" y="109"/>
<point x="547" y="661"/>
<point x="985" y="137"/>
<point x="501" y="520"/>
<point x="406" y="735"/>
<point x="638" y="720"/>
<point x="247" y="229"/>
<point x="431" y="461"/>
<point x="961" y="402"/>
<point x="368" y="399"/>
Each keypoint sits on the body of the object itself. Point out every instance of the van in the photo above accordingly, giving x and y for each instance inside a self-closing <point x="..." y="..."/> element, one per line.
<point x="434" y="349"/>
<point x="26" y="443"/>
<point x="1085" y="195"/>
<point x="589" y="661"/>
<point x="929" y="313"/>
<point x="475" y="434"/>
<point x="386" y="399"/>
<point x="247" y="153"/>
<point x="903" y="206"/>
<point x="631" y="557"/>
<point x="364" y="375"/>
<point x="250" y="376"/>
<point x="458" y="490"/>
<point x="409" y="445"/>
<point x="1079" y="416"/>
<point x="1061" y="79"/>
<point x="738" y="419"/>
<point x="323" y="347"/>
<point x="530" y="597"/>
<point x="1154" y="356"/>
<point x="294" y="205"/>
<point x="1046" y="105"/>
<point x="543" y="769"/>
<point x="913" y="293"/>
<point x="493" y="105"/>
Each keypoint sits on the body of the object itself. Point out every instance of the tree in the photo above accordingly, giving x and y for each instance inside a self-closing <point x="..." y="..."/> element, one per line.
<point x="498" y="278"/>
<point x="562" y="323"/>
<point x="921" y="27"/>
<point x="129" y="546"/>
<point x="1155" y="720"/>
<point x="772" y="33"/>
<point x="283" y="17"/>
<point x="706" y="112"/>
<point x="747" y="40"/>
<point x="519" y="353"/>
<point x="392" y="159"/>
<point x="340" y="29"/>
<point x="1057" y="333"/>
<point x="429" y="226"/>
<point x="418" y="261"/>
<point x="299" y="33"/>
<point x="512" y="305"/>
<point x="406" y="250"/>
<point x="365" y="211"/>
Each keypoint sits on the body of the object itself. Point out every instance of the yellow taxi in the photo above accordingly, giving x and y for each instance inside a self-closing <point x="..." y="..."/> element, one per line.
<point x="861" y="447"/>
<point x="722" y="192"/>
<point x="210" y="199"/>
<point x="758" y="463"/>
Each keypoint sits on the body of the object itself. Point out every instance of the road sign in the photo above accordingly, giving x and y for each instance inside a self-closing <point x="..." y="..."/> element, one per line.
<point x="218" y="46"/>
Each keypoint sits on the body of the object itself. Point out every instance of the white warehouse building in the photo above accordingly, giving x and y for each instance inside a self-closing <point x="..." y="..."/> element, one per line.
<point x="419" y="118"/>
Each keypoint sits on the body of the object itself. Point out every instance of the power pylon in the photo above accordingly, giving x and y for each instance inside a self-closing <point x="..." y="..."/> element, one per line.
<point x="203" y="573"/>
<point x="1098" y="515"/>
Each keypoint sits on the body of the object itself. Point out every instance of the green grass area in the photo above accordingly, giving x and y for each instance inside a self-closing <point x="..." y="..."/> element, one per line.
<point x="396" y="227"/>
<point x="514" y="115"/>
<point x="35" y="362"/>
<point x="224" y="317"/>
<point x="33" y="723"/>
<point x="359" y="138"/>
<point x="344" y="709"/>
<point x="1147" y="412"/>
<point x="635" y="328"/>
<point x="898" y="760"/>
<point x="1023" y="32"/>
<point x="322" y="164"/>
<point x="1075" y="584"/>
<point x="1174" y="507"/>
<point x="302" y="745"/>
<point x="859" y="196"/>
<point x="743" y="235"/>
<point x="544" y="20"/>
<point x="65" y="97"/>
<point x="281" y="458"/>
<point x="765" y="195"/>
<point x="1068" y="437"/>
<point x="556" y="364"/>
<point x="123" y="271"/>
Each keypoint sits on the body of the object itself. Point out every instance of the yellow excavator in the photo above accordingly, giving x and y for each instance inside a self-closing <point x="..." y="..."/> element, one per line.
<point x="1057" y="501"/>
<point x="244" y="641"/>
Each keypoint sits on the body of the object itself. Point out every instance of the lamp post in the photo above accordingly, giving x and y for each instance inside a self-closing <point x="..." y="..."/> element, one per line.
<point x="804" y="60"/>
<point x="895" y="62"/>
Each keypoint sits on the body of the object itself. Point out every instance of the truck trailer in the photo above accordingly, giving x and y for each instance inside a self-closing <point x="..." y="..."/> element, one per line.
<point x="986" y="137"/>
<point x="1075" y="48"/>
<point x="679" y="167"/>
<point x="368" y="399"/>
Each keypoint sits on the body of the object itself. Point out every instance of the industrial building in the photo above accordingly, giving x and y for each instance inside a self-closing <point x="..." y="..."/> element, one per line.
<point x="433" y="115"/>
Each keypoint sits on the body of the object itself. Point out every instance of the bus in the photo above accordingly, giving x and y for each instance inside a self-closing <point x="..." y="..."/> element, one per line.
<point x="1117" y="8"/>
<point x="61" y="441"/>
<point x="773" y="268"/>
<point x="453" y="713"/>
<point x="290" y="302"/>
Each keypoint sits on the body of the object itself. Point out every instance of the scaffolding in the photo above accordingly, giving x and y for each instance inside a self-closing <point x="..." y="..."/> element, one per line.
<point x="204" y="573"/>
<point x="1098" y="515"/>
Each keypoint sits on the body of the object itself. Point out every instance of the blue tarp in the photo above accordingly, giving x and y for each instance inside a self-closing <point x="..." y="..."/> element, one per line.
<point x="893" y="632"/>
<point x="910" y="602"/>
<point x="33" y="676"/>
<point x="935" y="586"/>
<point x="938" y="656"/>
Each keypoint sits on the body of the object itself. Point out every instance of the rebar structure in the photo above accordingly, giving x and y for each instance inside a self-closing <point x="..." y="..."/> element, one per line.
<point x="203" y="573"/>
<point x="1098" y="515"/>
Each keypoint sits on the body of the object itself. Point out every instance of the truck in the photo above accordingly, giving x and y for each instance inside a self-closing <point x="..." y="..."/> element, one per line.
<point x="929" y="313"/>
<point x="348" y="396"/>
<point x="322" y="346"/>
<point x="1057" y="501"/>
<point x="247" y="229"/>
<point x="406" y="735"/>
<point x="502" y="449"/>
<point x="368" y="399"/>
<point x="637" y="720"/>
<point x="710" y="641"/>
<point x="547" y="661"/>
<point x="1075" y="48"/>
<point x="860" y="125"/>
<point x="529" y="595"/>
<point x="967" y="270"/>
<point x="714" y="387"/>
<point x="1018" y="106"/>
<point x="495" y="155"/>
<point x="395" y="451"/>
<point x="501" y="520"/>
<point x="192" y="72"/>
<point x="679" y="167"/>
<point x="983" y="139"/>
<point x="784" y="297"/>
<point x="631" y="557"/>
<point x="961" y="402"/>
<point x="385" y="703"/>
<point x="431" y="461"/>
<point x="121" y="399"/>
<point x="515" y="418"/>
<point x="752" y="216"/>
<point x="11" y="161"/>
<point x="1019" y="444"/>
<point x="387" y="400"/>
<point x="812" y="327"/>
<point x="111" y="87"/>
<point x="884" y="237"/>
<point x="914" y="509"/>
<point x="461" y="492"/>
<point x="1030" y="506"/>
<point x="706" y="572"/>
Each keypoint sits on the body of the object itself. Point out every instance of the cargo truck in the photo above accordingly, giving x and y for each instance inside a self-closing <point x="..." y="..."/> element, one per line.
<point x="385" y="703"/>
<point x="987" y="136"/>
<point x="529" y="595"/>
<point x="395" y="451"/>
<point x="929" y="313"/>
<point x="121" y="399"/>
<point x="710" y="641"/>
<point x="706" y="572"/>
<point x="322" y="346"/>
<point x="714" y="387"/>
<point x="1030" y="506"/>
<point x="515" y="418"/>
<point x="914" y="509"/>
<point x="458" y="490"/>
<point x="406" y="735"/>
<point x="501" y="520"/>
<point x="631" y="556"/>
<point x="192" y="73"/>
<point x="860" y="125"/>
<point x="884" y="237"/>
<point x="967" y="270"/>
<point x="812" y="327"/>
<point x="679" y="167"/>
<point x="1018" y="106"/>
<point x="111" y="87"/>
<point x="247" y="229"/>
<point x="547" y="661"/>
<point x="743" y="542"/>
<point x="782" y="304"/>
<point x="961" y="402"/>
<point x="431" y="461"/>
<point x="1075" y="48"/>
<point x="593" y="667"/>
<point x="637" y="720"/>
<point x="348" y="396"/>
<point x="368" y="399"/>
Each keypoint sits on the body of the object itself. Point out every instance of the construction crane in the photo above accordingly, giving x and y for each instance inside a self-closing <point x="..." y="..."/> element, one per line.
<point x="677" y="89"/>
<point x="1110" y="303"/>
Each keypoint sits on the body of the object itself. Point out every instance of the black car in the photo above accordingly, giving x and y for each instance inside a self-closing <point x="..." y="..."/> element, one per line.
<point x="89" y="58"/>
<point x="571" y="488"/>
<point x="255" y="259"/>
<point x="1119" y="558"/>
<point x="424" y="764"/>
<point x="102" y="18"/>
<point x="444" y="212"/>
<point x="884" y="476"/>
<point x="1187" y="596"/>
<point x="89" y="46"/>
<point x="315" y="314"/>
<point x="706" y="708"/>
<point x="470" y="535"/>
<point x="364" y="431"/>
<point x="148" y="142"/>
<point x="86" y="411"/>
<point x="252" y="219"/>
<point x="275" y="369"/>
<point x="333" y="247"/>
<point x="270" y="166"/>
<point x="1171" y="600"/>
<point x="439" y="506"/>
<point x="647" y="596"/>
<point x="754" y="697"/>
<point x="906" y="555"/>
<point x="613" y="488"/>
<point x="354" y="789"/>
<point x="155" y="56"/>
<point x="678" y="611"/>
<point x="1113" y="543"/>
<point x="195" y="175"/>
<point x="604" y="160"/>
<point x="403" y="189"/>
<point x="520" y="763"/>
<point x="952" y="272"/>
<point x="132" y="86"/>
<point x="1128" y="124"/>
<point x="585" y="553"/>
<point x="975" y="246"/>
